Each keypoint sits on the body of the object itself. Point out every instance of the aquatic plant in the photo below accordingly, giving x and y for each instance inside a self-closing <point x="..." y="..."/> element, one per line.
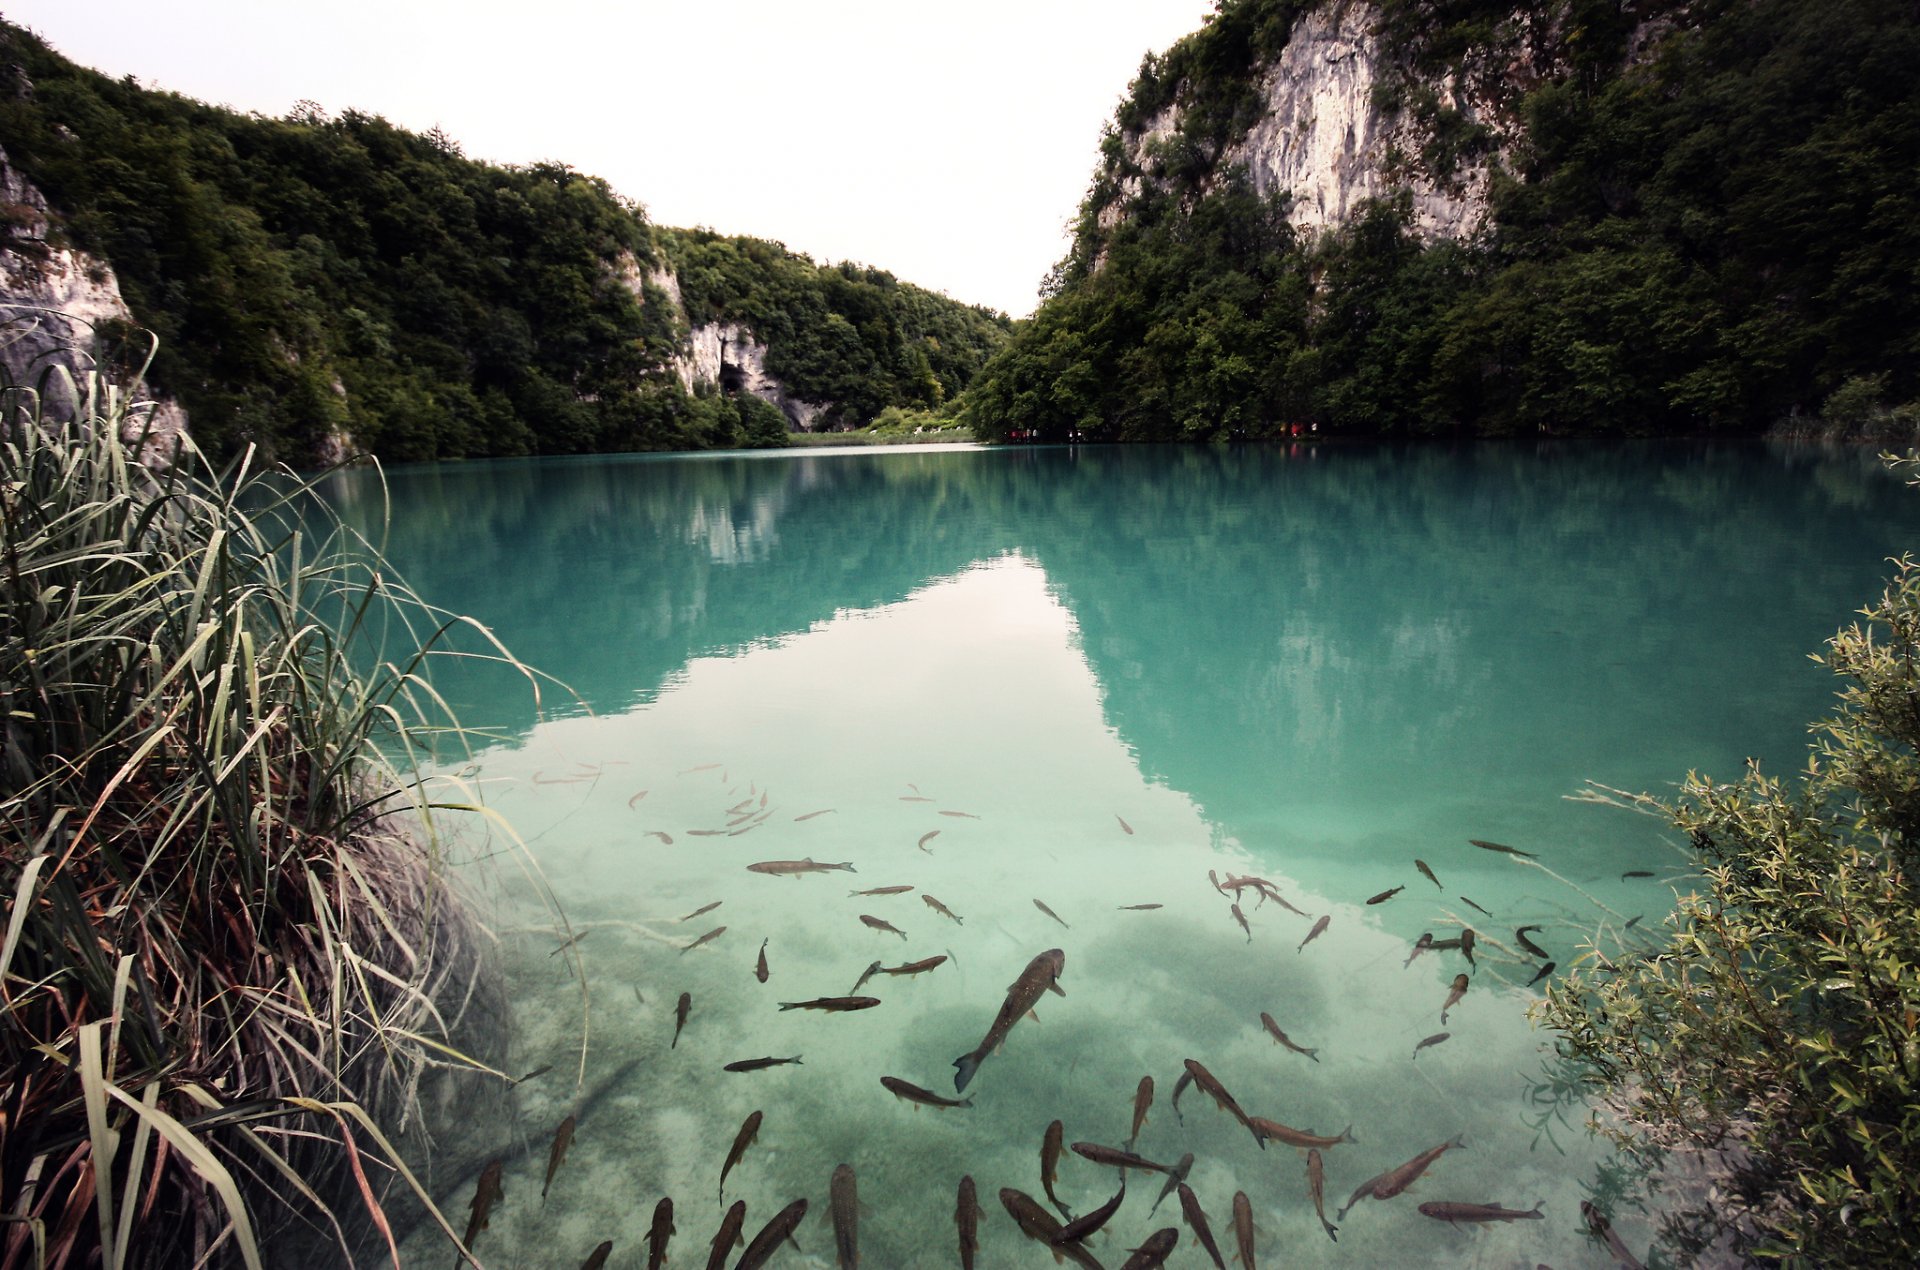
<point x="1774" y="1040"/>
<point x="234" y="977"/>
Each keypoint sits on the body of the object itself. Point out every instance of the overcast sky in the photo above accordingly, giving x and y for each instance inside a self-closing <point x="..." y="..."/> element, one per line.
<point x="947" y="142"/>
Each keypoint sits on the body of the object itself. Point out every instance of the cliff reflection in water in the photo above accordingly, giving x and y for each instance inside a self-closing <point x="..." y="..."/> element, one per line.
<point x="1278" y="633"/>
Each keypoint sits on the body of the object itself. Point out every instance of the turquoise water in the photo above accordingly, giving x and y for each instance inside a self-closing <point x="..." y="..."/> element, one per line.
<point x="1126" y="667"/>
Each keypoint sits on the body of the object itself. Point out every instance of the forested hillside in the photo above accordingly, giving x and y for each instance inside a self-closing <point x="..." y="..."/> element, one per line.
<point x="1700" y="215"/>
<point x="318" y="277"/>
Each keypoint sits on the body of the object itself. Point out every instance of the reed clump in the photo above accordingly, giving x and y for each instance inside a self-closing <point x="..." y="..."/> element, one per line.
<point x="232" y="961"/>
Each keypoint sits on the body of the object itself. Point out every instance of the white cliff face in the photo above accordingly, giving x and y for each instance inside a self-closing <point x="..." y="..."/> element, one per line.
<point x="52" y="299"/>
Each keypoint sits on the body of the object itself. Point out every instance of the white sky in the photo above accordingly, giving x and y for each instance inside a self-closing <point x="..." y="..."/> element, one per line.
<point x="947" y="142"/>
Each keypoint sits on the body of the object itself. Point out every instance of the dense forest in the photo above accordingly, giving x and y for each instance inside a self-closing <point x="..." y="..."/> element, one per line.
<point x="318" y="276"/>
<point x="1705" y="219"/>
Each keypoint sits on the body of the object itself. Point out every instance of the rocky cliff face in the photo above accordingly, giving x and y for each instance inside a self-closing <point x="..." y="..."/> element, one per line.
<point x="53" y="300"/>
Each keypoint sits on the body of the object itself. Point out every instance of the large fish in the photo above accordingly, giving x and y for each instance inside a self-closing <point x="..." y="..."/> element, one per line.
<point x="1142" y="1102"/>
<point x="794" y="868"/>
<point x="1243" y="1228"/>
<point x="485" y="1195"/>
<point x="1467" y="938"/>
<point x="1394" y="1180"/>
<point x="1085" y="1224"/>
<point x="966" y="1218"/>
<point x="1038" y="1224"/>
<point x="557" y="1154"/>
<point x="728" y="1237"/>
<point x="1452" y="1211"/>
<point x="843" y="1199"/>
<point x="1197" y="1220"/>
<point x="1264" y="1129"/>
<point x="1317" y="1188"/>
<point x="1520" y="936"/>
<point x="1210" y="1086"/>
<point x="1041" y="975"/>
<point x="875" y="923"/>
<point x="1155" y="1251"/>
<point x="598" y="1257"/>
<point x="768" y="1241"/>
<point x="749" y="1130"/>
<point x="1420" y="945"/>
<point x="659" y="1233"/>
<point x="925" y="1097"/>
<point x="833" y="1005"/>
<point x="1050" y="1144"/>
<point x="1283" y="1039"/>
<point x="1454" y="994"/>
<point x="1116" y="1158"/>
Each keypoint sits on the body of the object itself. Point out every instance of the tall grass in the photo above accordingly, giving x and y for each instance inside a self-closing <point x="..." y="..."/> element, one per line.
<point x="231" y="959"/>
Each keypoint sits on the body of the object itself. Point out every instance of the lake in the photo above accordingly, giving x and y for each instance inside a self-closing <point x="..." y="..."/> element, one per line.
<point x="1088" y="678"/>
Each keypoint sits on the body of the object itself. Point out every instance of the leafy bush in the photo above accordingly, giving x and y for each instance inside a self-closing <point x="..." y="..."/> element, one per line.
<point x="1783" y="1014"/>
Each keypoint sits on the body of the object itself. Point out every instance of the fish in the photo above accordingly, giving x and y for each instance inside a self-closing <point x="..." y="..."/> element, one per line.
<point x="874" y="923"/>
<point x="704" y="767"/>
<point x="1454" y="994"/>
<point x="1520" y="937"/>
<point x="705" y="833"/>
<point x="881" y="890"/>
<point x="1435" y="1039"/>
<point x="925" y="1097"/>
<point x="1085" y="1224"/>
<point x="1394" y="1180"/>
<point x="636" y="798"/>
<point x="1218" y="1092"/>
<point x="915" y="798"/>
<point x="927" y="837"/>
<point x="659" y="1233"/>
<point x="728" y="1236"/>
<point x="1176" y="1176"/>
<point x="704" y="908"/>
<point x="1636" y="873"/>
<point x="1283" y="1039"/>
<point x="843" y="1202"/>
<point x="1155" y="1251"/>
<point x="541" y="1070"/>
<point x="1197" y="1221"/>
<point x="557" y="1154"/>
<point x="1467" y="938"/>
<point x="1243" y="1228"/>
<point x="1050" y="1164"/>
<point x="961" y="815"/>
<point x="1444" y="945"/>
<point x="1114" y="1157"/>
<point x="1139" y="908"/>
<point x="598" y="1257"/>
<point x="1475" y="907"/>
<point x="1420" y="945"/>
<point x="1542" y="973"/>
<point x="1319" y="928"/>
<point x="760" y="964"/>
<point x="1316" y="1187"/>
<point x="749" y="1130"/>
<point x="793" y="868"/>
<point x="570" y="943"/>
<point x="824" y="811"/>
<point x="865" y="975"/>
<point x="833" y="1005"/>
<point x="1494" y="846"/>
<point x="485" y="1195"/>
<point x="1633" y="921"/>
<point x="1123" y="824"/>
<point x="1041" y="975"/>
<point x="664" y="837"/>
<point x="1264" y="1129"/>
<point x="715" y="933"/>
<point x="1186" y="1078"/>
<point x="966" y="1218"/>
<point x="680" y="1011"/>
<point x="1598" y="1224"/>
<point x="1215" y="879"/>
<point x="1422" y="866"/>
<point x="1142" y="1101"/>
<point x="942" y="909"/>
<point x="756" y="1064"/>
<point x="771" y="1235"/>
<point x="1241" y="917"/>
<point x="1038" y="1224"/>
<point x="1384" y="896"/>
<point x="915" y="967"/>
<point x="1452" y="1211"/>
<point x="1050" y="913"/>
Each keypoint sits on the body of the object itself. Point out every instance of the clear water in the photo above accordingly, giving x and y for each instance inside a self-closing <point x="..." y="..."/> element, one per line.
<point x="1129" y="667"/>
